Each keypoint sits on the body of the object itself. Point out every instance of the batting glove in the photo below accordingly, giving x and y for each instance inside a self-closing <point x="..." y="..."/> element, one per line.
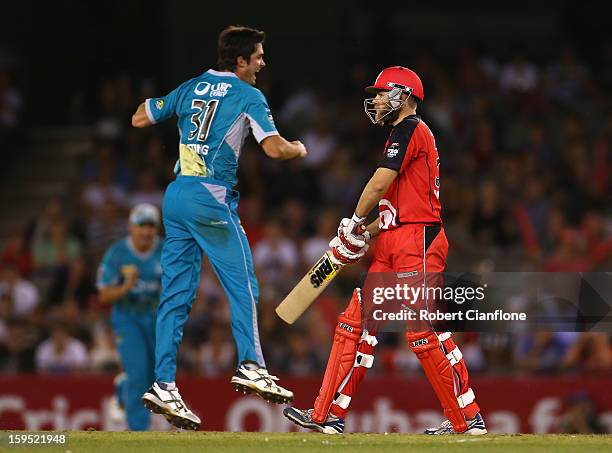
<point x="342" y="256"/>
<point x="353" y="234"/>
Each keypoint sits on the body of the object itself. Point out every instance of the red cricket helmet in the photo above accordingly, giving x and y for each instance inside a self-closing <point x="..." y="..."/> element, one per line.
<point x="399" y="77"/>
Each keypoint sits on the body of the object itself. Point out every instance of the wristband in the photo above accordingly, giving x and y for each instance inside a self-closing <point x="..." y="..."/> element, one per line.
<point x="357" y="219"/>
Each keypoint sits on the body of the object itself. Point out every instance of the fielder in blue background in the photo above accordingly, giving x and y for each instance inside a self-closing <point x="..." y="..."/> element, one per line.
<point x="129" y="277"/>
<point x="216" y="111"/>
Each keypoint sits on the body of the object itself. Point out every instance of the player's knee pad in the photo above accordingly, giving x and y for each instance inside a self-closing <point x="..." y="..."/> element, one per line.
<point x="439" y="362"/>
<point x="346" y="355"/>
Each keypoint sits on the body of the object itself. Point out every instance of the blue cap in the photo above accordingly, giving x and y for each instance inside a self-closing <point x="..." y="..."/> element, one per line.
<point x="144" y="213"/>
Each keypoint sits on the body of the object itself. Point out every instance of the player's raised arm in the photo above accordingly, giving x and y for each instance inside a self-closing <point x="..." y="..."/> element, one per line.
<point x="277" y="147"/>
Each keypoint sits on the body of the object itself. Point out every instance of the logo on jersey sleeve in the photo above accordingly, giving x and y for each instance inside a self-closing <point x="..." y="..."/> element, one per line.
<point x="393" y="150"/>
<point x="159" y="104"/>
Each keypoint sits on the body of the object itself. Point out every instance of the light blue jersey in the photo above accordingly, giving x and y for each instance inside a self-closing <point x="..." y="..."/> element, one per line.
<point x="133" y="319"/>
<point x="215" y="112"/>
<point x="144" y="296"/>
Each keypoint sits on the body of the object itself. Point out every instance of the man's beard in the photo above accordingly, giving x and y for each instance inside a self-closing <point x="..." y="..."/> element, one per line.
<point x="386" y="116"/>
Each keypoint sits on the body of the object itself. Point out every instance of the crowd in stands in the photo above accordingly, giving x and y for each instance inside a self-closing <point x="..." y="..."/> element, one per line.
<point x="526" y="158"/>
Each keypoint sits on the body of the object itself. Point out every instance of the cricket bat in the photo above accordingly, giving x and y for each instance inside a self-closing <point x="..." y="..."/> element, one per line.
<point x="308" y="289"/>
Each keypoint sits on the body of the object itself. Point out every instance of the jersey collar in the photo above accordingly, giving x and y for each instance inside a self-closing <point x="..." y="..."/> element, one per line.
<point x="408" y="118"/>
<point x="221" y="73"/>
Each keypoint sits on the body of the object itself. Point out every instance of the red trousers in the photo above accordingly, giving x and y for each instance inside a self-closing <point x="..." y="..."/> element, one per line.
<point x="411" y="247"/>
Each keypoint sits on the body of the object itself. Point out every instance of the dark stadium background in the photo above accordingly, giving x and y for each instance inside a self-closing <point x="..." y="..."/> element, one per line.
<point x="517" y="95"/>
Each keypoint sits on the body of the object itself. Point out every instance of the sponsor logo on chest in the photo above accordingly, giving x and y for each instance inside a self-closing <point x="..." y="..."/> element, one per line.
<point x="393" y="150"/>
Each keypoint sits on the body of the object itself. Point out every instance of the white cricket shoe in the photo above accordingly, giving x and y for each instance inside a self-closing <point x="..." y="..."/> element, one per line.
<point x="251" y="378"/>
<point x="303" y="418"/>
<point x="170" y="404"/>
<point x="475" y="427"/>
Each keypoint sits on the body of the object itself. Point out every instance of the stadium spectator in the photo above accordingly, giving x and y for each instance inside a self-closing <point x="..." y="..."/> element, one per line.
<point x="591" y="352"/>
<point x="320" y="142"/>
<point x="275" y="257"/>
<point x="252" y="218"/>
<point x="489" y="223"/>
<point x="111" y="122"/>
<point x="107" y="172"/>
<point x="543" y="351"/>
<point x="103" y="355"/>
<point x="565" y="79"/>
<point x="341" y="173"/>
<point x="17" y="252"/>
<point x="17" y="349"/>
<point x="598" y="240"/>
<point x="570" y="254"/>
<point x="314" y="247"/>
<point x="148" y="189"/>
<point x="579" y="417"/>
<point x="21" y="294"/>
<point x="519" y="76"/>
<point x="104" y="228"/>
<point x="300" y="359"/>
<point x="61" y="353"/>
<point x="103" y="190"/>
<point x="54" y="210"/>
<point x="56" y="254"/>
<point x="217" y="355"/>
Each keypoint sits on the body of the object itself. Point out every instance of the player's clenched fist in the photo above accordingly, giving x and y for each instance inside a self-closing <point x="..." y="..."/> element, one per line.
<point x="130" y="275"/>
<point x="353" y="234"/>
<point x="300" y="147"/>
<point x="352" y="241"/>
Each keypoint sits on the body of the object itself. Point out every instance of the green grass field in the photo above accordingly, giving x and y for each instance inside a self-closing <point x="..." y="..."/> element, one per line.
<point x="310" y="442"/>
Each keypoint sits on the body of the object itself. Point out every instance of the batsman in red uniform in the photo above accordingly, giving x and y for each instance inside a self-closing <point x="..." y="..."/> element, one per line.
<point x="406" y="187"/>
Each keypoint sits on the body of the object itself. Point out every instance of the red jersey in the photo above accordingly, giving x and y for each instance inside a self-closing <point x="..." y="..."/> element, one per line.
<point x="413" y="197"/>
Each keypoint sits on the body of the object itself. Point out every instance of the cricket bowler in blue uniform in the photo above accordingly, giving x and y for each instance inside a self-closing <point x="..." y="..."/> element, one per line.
<point x="215" y="110"/>
<point x="129" y="278"/>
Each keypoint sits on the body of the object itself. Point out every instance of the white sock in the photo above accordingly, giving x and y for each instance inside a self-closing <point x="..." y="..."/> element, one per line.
<point x="167" y="385"/>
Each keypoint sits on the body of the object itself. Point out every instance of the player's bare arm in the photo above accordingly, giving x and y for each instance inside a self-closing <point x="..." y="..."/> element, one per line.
<point x="277" y="147"/>
<point x="373" y="228"/>
<point x="111" y="294"/>
<point x="140" y="118"/>
<point x="375" y="189"/>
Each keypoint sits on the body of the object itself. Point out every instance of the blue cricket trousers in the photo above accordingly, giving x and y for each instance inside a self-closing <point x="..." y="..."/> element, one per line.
<point x="200" y="217"/>
<point x="135" y="340"/>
